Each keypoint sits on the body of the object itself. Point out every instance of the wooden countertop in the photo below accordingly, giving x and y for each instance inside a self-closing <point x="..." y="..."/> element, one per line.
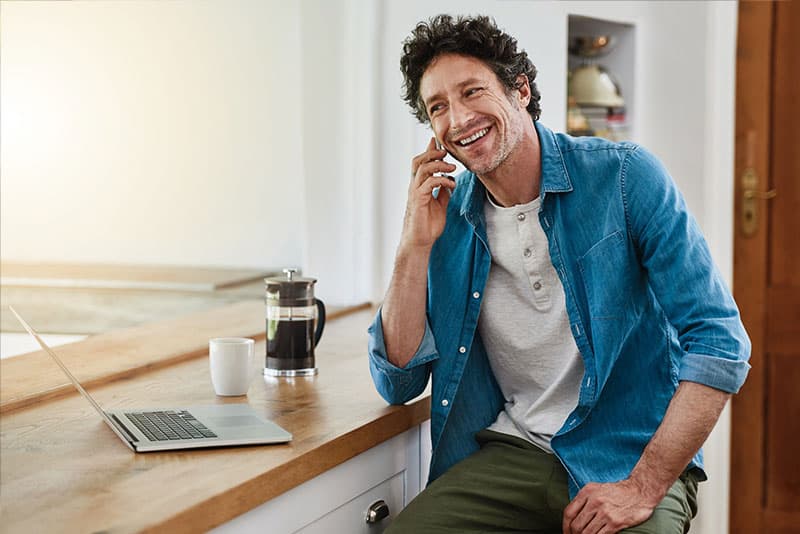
<point x="62" y="469"/>
<point x="127" y="352"/>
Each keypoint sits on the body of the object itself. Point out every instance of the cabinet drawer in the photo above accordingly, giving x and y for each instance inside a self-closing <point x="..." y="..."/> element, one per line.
<point x="351" y="516"/>
<point x="336" y="501"/>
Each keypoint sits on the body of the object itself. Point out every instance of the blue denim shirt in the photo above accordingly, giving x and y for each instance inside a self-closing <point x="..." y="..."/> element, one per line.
<point x="647" y="309"/>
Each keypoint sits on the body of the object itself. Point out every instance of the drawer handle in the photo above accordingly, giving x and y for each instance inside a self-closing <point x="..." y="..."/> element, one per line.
<point x="377" y="512"/>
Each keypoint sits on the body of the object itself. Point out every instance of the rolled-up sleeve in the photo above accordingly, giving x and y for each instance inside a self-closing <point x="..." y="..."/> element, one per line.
<point x="726" y="374"/>
<point x="398" y="385"/>
<point x="682" y="274"/>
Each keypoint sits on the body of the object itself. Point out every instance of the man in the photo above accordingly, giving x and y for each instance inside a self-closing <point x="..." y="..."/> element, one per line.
<point x="580" y="341"/>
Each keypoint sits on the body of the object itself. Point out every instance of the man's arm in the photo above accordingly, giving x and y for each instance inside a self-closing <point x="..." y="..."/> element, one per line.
<point x="715" y="347"/>
<point x="403" y="312"/>
<point x="608" y="508"/>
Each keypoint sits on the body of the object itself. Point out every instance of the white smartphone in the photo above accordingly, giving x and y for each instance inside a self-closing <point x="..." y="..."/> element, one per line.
<point x="439" y="146"/>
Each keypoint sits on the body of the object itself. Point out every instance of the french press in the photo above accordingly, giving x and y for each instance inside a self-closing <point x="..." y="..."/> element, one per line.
<point x="295" y="320"/>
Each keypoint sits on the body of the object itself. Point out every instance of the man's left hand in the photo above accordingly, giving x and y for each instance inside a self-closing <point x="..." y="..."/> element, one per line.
<point x="607" y="508"/>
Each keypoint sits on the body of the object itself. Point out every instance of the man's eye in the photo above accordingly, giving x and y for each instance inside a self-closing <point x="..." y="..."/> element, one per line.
<point x="473" y="90"/>
<point x="435" y="108"/>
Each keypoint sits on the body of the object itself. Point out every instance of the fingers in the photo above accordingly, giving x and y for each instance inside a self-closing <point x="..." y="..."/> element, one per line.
<point x="429" y="169"/>
<point x="571" y="512"/>
<point x="425" y="190"/>
<point x="431" y="154"/>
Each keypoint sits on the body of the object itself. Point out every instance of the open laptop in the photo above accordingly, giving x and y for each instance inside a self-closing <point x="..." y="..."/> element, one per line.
<point x="166" y="429"/>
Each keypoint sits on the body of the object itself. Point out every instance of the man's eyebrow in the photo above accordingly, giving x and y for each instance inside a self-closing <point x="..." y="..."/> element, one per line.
<point x="468" y="81"/>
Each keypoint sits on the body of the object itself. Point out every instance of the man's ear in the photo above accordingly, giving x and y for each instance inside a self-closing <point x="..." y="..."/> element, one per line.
<point x="524" y="89"/>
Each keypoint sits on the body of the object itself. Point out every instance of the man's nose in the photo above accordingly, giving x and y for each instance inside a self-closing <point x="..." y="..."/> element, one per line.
<point x="460" y="115"/>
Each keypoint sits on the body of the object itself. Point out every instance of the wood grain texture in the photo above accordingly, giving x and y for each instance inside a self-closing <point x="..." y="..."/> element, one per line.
<point x="125" y="353"/>
<point x="785" y="161"/>
<point x="782" y="469"/>
<point x="753" y="108"/>
<point x="62" y="469"/>
<point x="765" y="485"/>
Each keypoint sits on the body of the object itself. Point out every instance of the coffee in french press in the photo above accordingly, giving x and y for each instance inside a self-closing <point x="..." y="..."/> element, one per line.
<point x="295" y="320"/>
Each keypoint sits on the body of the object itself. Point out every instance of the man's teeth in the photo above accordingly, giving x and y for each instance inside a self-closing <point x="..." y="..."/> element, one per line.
<point x="474" y="137"/>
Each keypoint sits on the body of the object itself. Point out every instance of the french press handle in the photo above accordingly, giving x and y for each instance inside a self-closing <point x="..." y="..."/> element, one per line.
<point x="320" y="320"/>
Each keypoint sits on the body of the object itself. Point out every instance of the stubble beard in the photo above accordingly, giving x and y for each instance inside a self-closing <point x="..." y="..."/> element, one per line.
<point x="507" y="146"/>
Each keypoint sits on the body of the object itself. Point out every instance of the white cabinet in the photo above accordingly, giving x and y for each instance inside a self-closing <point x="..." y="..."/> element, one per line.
<point x="351" y="516"/>
<point x="337" y="501"/>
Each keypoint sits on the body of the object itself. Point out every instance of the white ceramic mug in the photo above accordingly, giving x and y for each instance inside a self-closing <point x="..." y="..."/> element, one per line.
<point x="232" y="364"/>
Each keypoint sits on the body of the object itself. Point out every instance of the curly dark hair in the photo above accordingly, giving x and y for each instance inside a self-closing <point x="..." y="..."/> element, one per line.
<point x="478" y="37"/>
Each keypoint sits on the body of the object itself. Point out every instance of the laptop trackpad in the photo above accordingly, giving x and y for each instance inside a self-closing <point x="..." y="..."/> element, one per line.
<point x="234" y="420"/>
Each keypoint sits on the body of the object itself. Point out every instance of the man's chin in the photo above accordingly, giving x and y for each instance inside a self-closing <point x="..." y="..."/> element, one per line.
<point x="473" y="167"/>
<point x="481" y="170"/>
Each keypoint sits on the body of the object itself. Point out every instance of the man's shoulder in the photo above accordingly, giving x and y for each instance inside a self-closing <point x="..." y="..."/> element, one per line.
<point x="591" y="155"/>
<point x="568" y="143"/>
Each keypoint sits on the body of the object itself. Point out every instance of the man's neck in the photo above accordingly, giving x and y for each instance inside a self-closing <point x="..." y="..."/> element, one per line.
<point x="516" y="180"/>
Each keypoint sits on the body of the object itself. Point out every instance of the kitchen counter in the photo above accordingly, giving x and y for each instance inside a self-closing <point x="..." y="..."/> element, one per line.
<point x="63" y="469"/>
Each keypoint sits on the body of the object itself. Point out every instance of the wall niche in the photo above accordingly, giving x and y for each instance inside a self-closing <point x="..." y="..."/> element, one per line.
<point x="600" y="78"/>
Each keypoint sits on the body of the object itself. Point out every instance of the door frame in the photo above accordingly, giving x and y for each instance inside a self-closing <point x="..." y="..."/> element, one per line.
<point x="752" y="150"/>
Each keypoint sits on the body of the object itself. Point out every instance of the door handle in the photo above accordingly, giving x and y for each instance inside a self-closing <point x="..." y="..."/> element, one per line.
<point x="750" y="196"/>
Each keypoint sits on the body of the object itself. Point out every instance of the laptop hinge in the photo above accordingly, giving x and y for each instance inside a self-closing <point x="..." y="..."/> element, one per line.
<point x="124" y="428"/>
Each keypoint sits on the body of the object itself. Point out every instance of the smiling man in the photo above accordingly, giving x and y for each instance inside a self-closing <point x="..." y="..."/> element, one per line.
<point x="580" y="340"/>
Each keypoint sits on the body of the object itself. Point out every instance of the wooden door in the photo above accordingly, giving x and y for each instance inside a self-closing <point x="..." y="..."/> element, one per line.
<point x="765" y="458"/>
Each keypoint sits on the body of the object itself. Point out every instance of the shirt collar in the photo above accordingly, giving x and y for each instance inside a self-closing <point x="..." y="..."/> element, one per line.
<point x="554" y="175"/>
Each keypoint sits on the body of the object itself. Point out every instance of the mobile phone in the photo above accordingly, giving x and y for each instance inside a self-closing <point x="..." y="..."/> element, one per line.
<point x="439" y="146"/>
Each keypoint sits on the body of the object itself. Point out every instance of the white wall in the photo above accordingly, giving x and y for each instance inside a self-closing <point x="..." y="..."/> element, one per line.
<point x="340" y="135"/>
<point x="192" y="132"/>
<point x="152" y="132"/>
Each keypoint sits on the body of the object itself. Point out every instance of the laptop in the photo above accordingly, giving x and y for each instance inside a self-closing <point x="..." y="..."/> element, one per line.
<point x="167" y="429"/>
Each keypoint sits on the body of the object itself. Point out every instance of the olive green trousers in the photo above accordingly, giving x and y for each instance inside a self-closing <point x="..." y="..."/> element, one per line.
<point x="510" y="485"/>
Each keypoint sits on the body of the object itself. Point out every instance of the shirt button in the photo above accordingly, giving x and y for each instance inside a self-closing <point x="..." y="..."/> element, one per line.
<point x="462" y="350"/>
<point x="476" y="295"/>
<point x="444" y="402"/>
<point x="527" y="253"/>
<point x="521" y="217"/>
<point x="537" y="286"/>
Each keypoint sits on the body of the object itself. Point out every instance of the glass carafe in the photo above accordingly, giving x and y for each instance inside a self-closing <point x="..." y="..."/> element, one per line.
<point x="295" y="320"/>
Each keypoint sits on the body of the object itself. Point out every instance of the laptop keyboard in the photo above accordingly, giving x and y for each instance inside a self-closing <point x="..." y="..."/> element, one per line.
<point x="170" y="425"/>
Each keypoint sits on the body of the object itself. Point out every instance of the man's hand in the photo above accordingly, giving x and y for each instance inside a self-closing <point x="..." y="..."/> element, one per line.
<point x="607" y="508"/>
<point x="425" y="214"/>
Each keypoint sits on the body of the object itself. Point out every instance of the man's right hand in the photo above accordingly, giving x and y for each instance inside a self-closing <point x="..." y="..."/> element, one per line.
<point x="425" y="214"/>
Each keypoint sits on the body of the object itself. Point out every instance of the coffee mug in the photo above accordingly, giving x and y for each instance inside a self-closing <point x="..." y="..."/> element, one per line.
<point x="232" y="364"/>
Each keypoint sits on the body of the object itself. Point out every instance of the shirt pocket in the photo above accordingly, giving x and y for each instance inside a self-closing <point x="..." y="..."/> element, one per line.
<point x="603" y="269"/>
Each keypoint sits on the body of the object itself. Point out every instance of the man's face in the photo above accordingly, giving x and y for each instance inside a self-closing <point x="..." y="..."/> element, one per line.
<point x="471" y="112"/>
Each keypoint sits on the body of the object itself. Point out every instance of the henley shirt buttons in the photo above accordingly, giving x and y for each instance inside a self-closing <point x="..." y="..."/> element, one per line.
<point x="521" y="217"/>
<point x="537" y="286"/>
<point x="462" y="350"/>
<point x="527" y="253"/>
<point x="476" y="295"/>
<point x="444" y="402"/>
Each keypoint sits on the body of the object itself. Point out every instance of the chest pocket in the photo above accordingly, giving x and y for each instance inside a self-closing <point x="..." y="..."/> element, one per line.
<point x="604" y="272"/>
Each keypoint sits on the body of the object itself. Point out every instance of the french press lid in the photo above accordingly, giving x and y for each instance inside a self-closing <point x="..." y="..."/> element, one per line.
<point x="291" y="290"/>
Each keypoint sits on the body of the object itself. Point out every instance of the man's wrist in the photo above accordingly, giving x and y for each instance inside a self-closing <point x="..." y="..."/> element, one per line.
<point x="409" y="248"/>
<point x="651" y="487"/>
<point x="413" y="256"/>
